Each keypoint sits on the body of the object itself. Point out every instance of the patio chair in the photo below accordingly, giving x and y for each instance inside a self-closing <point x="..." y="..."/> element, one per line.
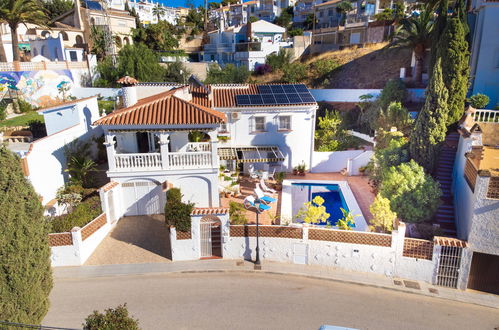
<point x="252" y="173"/>
<point x="249" y="201"/>
<point x="271" y="174"/>
<point x="265" y="188"/>
<point x="264" y="198"/>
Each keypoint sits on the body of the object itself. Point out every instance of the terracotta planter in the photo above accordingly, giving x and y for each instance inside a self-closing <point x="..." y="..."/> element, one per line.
<point x="295" y="172"/>
<point x="301" y="173"/>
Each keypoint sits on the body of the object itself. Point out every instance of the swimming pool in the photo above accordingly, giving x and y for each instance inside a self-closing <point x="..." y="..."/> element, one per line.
<point x="331" y="193"/>
<point x="336" y="195"/>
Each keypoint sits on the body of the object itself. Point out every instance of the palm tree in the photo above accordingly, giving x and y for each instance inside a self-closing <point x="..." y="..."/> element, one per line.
<point x="15" y="12"/>
<point x="158" y="11"/>
<point x="415" y="33"/>
<point x="3" y="56"/>
<point x="344" y="8"/>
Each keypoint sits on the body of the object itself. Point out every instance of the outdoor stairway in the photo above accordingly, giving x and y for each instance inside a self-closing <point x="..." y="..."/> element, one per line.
<point x="445" y="216"/>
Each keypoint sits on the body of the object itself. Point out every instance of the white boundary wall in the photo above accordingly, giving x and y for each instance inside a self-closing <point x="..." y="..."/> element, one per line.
<point x="353" y="95"/>
<point x="336" y="161"/>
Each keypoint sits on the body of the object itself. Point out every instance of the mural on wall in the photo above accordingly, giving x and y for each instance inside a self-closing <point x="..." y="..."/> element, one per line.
<point x="41" y="88"/>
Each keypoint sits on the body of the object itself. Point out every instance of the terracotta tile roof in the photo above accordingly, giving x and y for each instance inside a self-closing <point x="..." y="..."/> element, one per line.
<point x="108" y="186"/>
<point x="209" y="210"/>
<point x="447" y="241"/>
<point x="163" y="109"/>
<point x="63" y="104"/>
<point x="327" y="3"/>
<point x="127" y="81"/>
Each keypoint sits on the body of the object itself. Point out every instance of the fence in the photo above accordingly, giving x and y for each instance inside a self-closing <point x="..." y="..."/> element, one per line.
<point x="353" y="95"/>
<point x="40" y="66"/>
<point x="418" y="248"/>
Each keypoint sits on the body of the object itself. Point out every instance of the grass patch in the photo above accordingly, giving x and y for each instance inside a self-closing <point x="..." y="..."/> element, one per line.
<point x="22" y="120"/>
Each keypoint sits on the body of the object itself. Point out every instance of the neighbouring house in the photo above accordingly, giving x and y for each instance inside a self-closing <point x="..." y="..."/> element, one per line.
<point x="484" y="60"/>
<point x="43" y="159"/>
<point x="150" y="143"/>
<point x="476" y="195"/>
<point x="54" y="49"/>
<point x="247" y="45"/>
<point x="145" y="10"/>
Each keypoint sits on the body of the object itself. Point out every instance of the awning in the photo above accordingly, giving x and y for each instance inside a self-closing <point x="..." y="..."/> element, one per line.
<point x="251" y="154"/>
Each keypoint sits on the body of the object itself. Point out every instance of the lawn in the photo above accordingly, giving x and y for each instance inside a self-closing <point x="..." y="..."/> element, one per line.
<point x="22" y="120"/>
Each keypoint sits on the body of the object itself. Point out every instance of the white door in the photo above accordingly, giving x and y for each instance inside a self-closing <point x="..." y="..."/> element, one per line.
<point x="300" y="253"/>
<point x="206" y="239"/>
<point x="142" y="198"/>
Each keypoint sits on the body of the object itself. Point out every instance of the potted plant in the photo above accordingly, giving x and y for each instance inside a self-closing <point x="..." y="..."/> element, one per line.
<point x="223" y="138"/>
<point x="279" y="178"/>
<point x="295" y="170"/>
<point x="301" y="169"/>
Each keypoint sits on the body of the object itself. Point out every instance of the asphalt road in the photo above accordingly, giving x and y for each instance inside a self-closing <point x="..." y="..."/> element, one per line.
<point x="257" y="301"/>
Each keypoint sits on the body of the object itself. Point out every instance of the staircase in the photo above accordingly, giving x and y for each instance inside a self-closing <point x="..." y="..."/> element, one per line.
<point x="445" y="213"/>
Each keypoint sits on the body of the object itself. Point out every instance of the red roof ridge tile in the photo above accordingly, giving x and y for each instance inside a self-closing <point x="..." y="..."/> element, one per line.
<point x="65" y="103"/>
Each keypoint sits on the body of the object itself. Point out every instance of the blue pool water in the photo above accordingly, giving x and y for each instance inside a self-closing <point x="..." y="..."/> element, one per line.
<point x="331" y="193"/>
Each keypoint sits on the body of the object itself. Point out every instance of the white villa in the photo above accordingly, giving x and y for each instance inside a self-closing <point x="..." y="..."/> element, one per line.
<point x="247" y="45"/>
<point x="149" y="148"/>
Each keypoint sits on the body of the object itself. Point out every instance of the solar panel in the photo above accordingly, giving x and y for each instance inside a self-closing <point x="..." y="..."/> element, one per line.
<point x="243" y="100"/>
<point x="277" y="89"/>
<point x="281" y="99"/>
<point x="268" y="99"/>
<point x="265" y="89"/>
<point x="256" y="99"/>
<point x="294" y="98"/>
<point x="300" y="88"/>
<point x="289" y="89"/>
<point x="307" y="98"/>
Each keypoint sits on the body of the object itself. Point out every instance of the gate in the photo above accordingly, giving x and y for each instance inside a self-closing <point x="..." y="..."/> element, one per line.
<point x="448" y="267"/>
<point x="484" y="273"/>
<point x="205" y="228"/>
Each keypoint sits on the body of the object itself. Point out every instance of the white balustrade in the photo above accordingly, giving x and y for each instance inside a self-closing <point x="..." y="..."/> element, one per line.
<point x="486" y="116"/>
<point x="186" y="160"/>
<point x="198" y="146"/>
<point x="144" y="161"/>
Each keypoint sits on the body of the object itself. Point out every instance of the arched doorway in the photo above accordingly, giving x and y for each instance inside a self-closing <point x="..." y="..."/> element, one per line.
<point x="211" y="237"/>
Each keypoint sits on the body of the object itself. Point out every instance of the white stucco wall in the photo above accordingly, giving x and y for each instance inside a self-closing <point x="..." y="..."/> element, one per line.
<point x="333" y="161"/>
<point x="296" y="145"/>
<point x="360" y="161"/>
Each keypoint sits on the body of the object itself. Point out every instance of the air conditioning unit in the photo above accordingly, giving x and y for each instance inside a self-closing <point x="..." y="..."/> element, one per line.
<point x="235" y="115"/>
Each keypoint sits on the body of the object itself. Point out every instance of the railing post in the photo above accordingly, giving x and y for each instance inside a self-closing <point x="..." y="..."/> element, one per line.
<point x="163" y="143"/>
<point x="111" y="153"/>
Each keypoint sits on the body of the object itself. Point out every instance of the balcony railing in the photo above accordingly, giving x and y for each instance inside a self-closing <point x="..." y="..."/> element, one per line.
<point x="188" y="160"/>
<point x="146" y="161"/>
<point x="198" y="146"/>
<point x="249" y="47"/>
<point x="486" y="116"/>
<point x="153" y="161"/>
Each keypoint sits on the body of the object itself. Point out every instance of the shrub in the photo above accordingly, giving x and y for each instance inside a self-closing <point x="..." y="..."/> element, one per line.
<point x="324" y="66"/>
<point x="237" y="213"/>
<point x="230" y="74"/>
<point x="177" y="213"/>
<point x="106" y="106"/>
<point x="330" y="135"/>
<point x="383" y="216"/>
<point x="395" y="116"/>
<point x="83" y="213"/>
<point x="3" y="111"/>
<point x="25" y="276"/>
<point x="69" y="197"/>
<point x="79" y="163"/>
<point x="279" y="60"/>
<point x="177" y="72"/>
<point x="112" y="319"/>
<point x="347" y="222"/>
<point x="293" y="73"/>
<point x="37" y="128"/>
<point x="22" y="106"/>
<point x="413" y="194"/>
<point x="263" y="69"/>
<point x="394" y="91"/>
<point x="313" y="211"/>
<point x="295" y="32"/>
<point x="479" y="101"/>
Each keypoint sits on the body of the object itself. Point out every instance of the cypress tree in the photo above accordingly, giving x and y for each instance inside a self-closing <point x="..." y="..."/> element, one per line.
<point x="429" y="131"/>
<point x="25" y="273"/>
<point x="453" y="50"/>
<point x="438" y="29"/>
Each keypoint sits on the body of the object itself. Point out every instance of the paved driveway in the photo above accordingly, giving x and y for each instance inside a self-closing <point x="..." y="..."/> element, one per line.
<point x="139" y="239"/>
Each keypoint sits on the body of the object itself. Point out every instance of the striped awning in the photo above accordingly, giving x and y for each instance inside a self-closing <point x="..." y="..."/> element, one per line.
<point x="251" y="154"/>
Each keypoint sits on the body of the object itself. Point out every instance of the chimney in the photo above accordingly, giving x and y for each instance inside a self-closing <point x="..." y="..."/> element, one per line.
<point x="129" y="88"/>
<point x="78" y="22"/>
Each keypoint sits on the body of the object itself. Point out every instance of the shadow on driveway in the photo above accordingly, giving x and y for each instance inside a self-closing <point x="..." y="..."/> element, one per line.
<point x="138" y="239"/>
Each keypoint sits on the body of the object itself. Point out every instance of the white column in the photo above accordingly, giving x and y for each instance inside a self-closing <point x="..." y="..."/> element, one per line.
<point x="164" y="139"/>
<point x="214" y="148"/>
<point x="111" y="152"/>
<point x="77" y="243"/>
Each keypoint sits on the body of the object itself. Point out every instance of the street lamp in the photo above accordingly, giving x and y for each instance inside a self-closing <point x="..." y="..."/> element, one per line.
<point x="257" y="205"/>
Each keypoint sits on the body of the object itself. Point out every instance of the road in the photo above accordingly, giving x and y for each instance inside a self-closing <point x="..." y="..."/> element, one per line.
<point x="257" y="301"/>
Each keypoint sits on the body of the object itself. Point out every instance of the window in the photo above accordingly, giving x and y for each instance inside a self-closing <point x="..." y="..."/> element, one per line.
<point x="72" y="56"/>
<point x="259" y="124"/>
<point x="284" y="123"/>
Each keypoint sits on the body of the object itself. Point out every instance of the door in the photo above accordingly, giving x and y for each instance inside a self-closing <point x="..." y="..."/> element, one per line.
<point x="142" y="198"/>
<point x="206" y="250"/>
<point x="484" y="273"/>
<point x="300" y="253"/>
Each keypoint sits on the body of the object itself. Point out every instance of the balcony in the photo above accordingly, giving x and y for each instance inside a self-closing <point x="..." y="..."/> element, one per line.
<point x="249" y="47"/>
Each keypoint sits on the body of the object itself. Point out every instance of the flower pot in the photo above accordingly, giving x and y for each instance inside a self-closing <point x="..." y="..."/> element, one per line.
<point x="301" y="173"/>
<point x="295" y="172"/>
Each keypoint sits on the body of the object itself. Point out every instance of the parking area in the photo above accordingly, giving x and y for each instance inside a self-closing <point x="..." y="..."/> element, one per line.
<point x="136" y="239"/>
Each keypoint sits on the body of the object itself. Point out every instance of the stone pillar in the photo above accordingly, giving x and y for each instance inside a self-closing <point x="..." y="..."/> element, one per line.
<point x="77" y="243"/>
<point x="214" y="148"/>
<point x="109" y="143"/>
<point x="164" y="139"/>
<point x="398" y="236"/>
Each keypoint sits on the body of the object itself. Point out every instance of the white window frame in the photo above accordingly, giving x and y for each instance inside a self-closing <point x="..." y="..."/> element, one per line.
<point x="279" y="128"/>
<point x="255" y="128"/>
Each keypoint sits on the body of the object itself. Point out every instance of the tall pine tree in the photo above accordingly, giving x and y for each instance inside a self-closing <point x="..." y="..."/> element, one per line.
<point x="25" y="273"/>
<point x="438" y="29"/>
<point x="429" y="131"/>
<point x="453" y="50"/>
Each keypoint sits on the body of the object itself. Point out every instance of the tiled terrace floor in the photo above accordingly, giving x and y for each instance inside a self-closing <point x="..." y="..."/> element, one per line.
<point x="359" y="184"/>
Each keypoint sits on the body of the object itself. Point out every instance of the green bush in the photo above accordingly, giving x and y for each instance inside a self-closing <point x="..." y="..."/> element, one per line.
<point x="413" y="194"/>
<point x="25" y="273"/>
<point x="394" y="91"/>
<point x="279" y="60"/>
<point x="83" y="213"/>
<point x="3" y="111"/>
<point x="106" y="106"/>
<point x="479" y="101"/>
<point x="177" y="213"/>
<point x="112" y="319"/>
<point x="397" y="116"/>
<point x="230" y="74"/>
<point x="295" y="32"/>
<point x="324" y="67"/>
<point x="293" y="73"/>
<point x="22" y="106"/>
<point x="237" y="213"/>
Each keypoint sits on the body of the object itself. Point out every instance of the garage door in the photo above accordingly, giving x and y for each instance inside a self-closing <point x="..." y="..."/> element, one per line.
<point x="143" y="197"/>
